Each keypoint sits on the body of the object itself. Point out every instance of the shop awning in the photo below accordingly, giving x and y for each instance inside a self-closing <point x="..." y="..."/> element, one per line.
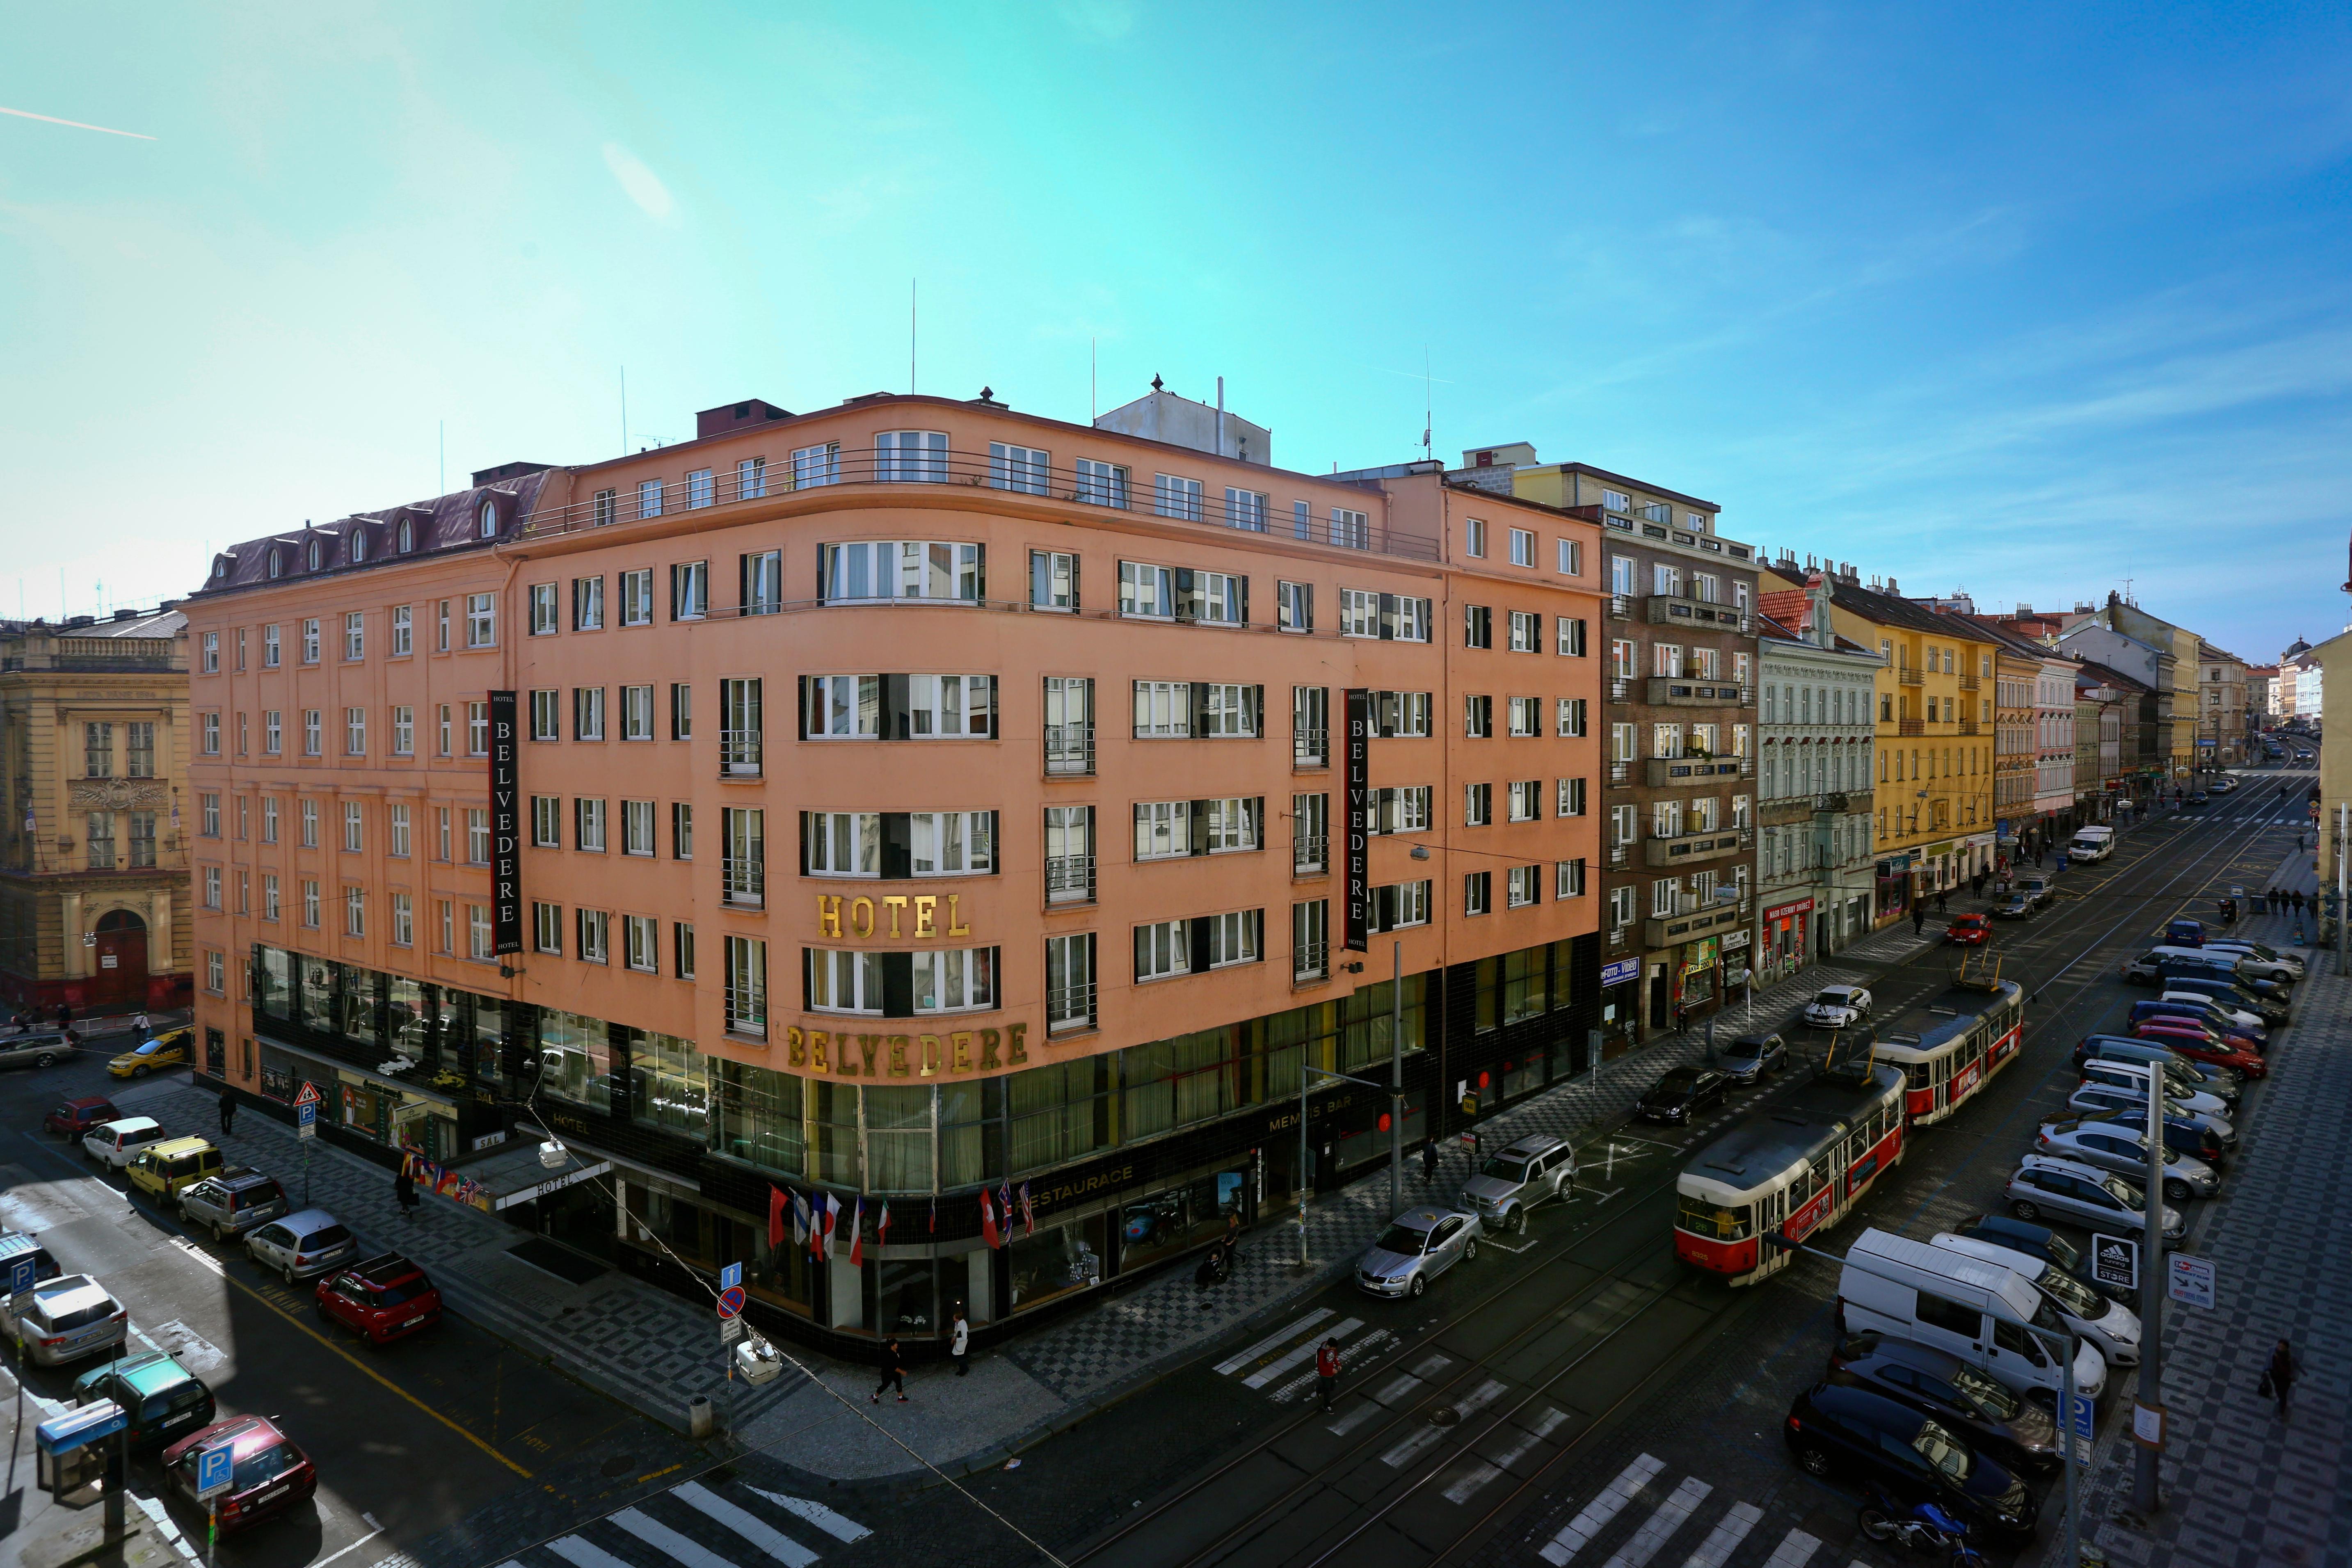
<point x="512" y="1175"/>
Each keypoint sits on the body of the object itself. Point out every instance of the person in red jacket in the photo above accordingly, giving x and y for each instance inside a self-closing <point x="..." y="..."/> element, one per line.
<point x="1327" y="1371"/>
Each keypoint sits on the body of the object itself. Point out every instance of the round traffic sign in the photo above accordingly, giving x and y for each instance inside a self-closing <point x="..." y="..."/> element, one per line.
<point x="730" y="1302"/>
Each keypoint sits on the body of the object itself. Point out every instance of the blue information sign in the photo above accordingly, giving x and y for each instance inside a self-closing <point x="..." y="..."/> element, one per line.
<point x="74" y="1429"/>
<point x="214" y="1466"/>
<point x="20" y="1275"/>
<point x="730" y="1277"/>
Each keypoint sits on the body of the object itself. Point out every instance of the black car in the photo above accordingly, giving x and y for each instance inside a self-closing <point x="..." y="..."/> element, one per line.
<point x="1681" y="1094"/>
<point x="2039" y="1241"/>
<point x="1990" y="1416"/>
<point x="1747" y="1058"/>
<point x="1853" y="1432"/>
<point x="2016" y="907"/>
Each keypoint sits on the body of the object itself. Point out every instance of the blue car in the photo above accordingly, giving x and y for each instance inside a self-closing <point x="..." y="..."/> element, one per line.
<point x="2184" y="934"/>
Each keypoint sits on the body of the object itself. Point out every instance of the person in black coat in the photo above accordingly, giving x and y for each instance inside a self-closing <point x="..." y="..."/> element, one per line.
<point x="2281" y="1375"/>
<point x="403" y="1192"/>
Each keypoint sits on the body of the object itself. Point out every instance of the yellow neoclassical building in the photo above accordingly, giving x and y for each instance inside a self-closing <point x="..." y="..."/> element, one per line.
<point x="1934" y="825"/>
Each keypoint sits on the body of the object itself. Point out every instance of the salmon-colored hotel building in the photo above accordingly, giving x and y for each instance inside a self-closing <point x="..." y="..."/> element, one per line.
<point x="905" y="802"/>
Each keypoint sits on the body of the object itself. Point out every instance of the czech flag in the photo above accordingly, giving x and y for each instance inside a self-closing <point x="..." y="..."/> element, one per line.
<point x="882" y="1230"/>
<point x="988" y="1220"/>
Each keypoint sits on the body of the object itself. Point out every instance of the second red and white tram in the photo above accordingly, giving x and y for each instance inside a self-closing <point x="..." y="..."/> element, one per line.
<point x="1949" y="1046"/>
<point x="1795" y="1168"/>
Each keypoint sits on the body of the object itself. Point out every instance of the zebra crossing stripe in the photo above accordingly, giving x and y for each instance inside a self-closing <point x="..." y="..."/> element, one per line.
<point x="1240" y="1358"/>
<point x="1725" y="1538"/>
<point x="1796" y="1550"/>
<point x="1469" y="1404"/>
<point x="841" y="1527"/>
<point x="585" y="1553"/>
<point x="756" y="1531"/>
<point x="1366" y="1346"/>
<point x="1291" y="1358"/>
<point x="1578" y="1533"/>
<point x="662" y="1538"/>
<point x="1660" y="1527"/>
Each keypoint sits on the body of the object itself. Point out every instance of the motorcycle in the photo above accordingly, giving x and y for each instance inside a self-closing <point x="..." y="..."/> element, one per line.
<point x="1926" y="1529"/>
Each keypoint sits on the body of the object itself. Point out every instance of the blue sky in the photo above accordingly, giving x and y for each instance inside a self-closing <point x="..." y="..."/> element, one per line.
<point x="2021" y="300"/>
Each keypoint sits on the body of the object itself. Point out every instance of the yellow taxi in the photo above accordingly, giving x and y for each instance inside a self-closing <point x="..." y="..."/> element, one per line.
<point x="172" y="1048"/>
<point x="162" y="1169"/>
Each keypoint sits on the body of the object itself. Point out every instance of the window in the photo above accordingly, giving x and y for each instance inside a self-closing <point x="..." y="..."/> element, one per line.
<point x="1176" y="497"/>
<point x="481" y="620"/>
<point x="1146" y="590"/>
<point x="750" y="479"/>
<point x="840" y="981"/>
<point x="1526" y="715"/>
<point x="1477" y="804"/>
<point x="311" y="640"/>
<point x="1399" y="905"/>
<point x="636" y="712"/>
<point x="1070" y="982"/>
<point x="699" y="491"/>
<point x="404" y="920"/>
<point x="269" y="648"/>
<point x="638" y="830"/>
<point x="1235" y="938"/>
<point x="649" y="497"/>
<point x="681" y="830"/>
<point x="547" y="928"/>
<point x="1311" y="939"/>
<point x="594" y="931"/>
<point x="215" y="972"/>
<point x="1478" y="717"/>
<point x="681" y="955"/>
<point x="1162" y="829"/>
<point x="762" y="583"/>
<point x="355" y="912"/>
<point x="98" y="750"/>
<point x="354" y="635"/>
<point x="1245" y="509"/>
<point x="1351" y="530"/>
<point x="211" y="887"/>
<point x="396" y="829"/>
<point x="1567" y="879"/>
<point x="1573" y="716"/>
<point x="1523" y="548"/>
<point x="1402" y="809"/>
<point x="1294" y="607"/>
<point x="355" y="731"/>
<point x="588" y="604"/>
<point x="403" y="732"/>
<point x="1665" y="897"/>
<point x="1522" y="885"/>
<point x="269" y="895"/>
<point x="879" y="570"/>
<point x="588" y="824"/>
<point x="1526" y="632"/>
<point x="689" y="590"/>
<point x="910" y="457"/>
<point x="1232" y="710"/>
<point x="1053" y="580"/>
<point x="637" y="597"/>
<point x="641" y="944"/>
<point x="1477" y="626"/>
<point x="681" y="711"/>
<point x="210" y="805"/>
<point x="448" y="927"/>
<point x="488" y="520"/>
<point x="1474" y="536"/>
<point x="477" y="836"/>
<point x="1572" y="558"/>
<point x="212" y="653"/>
<point x="1102" y="484"/>
<point x="478" y="729"/>
<point x="587" y="712"/>
<point x="312" y="733"/>
<point x="547" y="715"/>
<point x="1022" y="469"/>
<point x="142" y="839"/>
<point x="352" y="826"/>
<point x="1624" y="824"/>
<point x="1162" y="950"/>
<point x="1163" y="709"/>
<point x="310" y="904"/>
<point x="952" y="843"/>
<point x="547" y="822"/>
<point x="1526" y="800"/>
<point x="270" y="819"/>
<point x="815" y="465"/>
<point x="441" y="626"/>
<point x="310" y="824"/>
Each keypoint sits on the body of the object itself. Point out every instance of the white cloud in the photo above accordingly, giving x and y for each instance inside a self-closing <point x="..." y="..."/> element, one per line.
<point x="642" y="184"/>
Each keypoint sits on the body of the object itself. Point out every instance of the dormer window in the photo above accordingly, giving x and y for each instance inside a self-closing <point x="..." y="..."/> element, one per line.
<point x="359" y="544"/>
<point x="407" y="536"/>
<point x="490" y="520"/>
<point x="313" y="555"/>
<point x="220" y="569"/>
<point x="277" y="563"/>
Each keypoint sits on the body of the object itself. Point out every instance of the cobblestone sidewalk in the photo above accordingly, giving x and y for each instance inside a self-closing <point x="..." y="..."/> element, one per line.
<point x="2243" y="1488"/>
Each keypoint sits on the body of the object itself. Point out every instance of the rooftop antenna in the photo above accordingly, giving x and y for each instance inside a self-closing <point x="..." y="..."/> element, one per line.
<point x="1093" y="378"/>
<point x="1428" y="402"/>
<point x="911" y="337"/>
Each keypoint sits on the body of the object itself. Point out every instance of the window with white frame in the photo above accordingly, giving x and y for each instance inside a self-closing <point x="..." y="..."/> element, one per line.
<point x="1572" y="558"/>
<point x="884" y="570"/>
<point x="354" y="635"/>
<point x="1070" y="982"/>
<point x="1622" y="906"/>
<point x="355" y="731"/>
<point x="1474" y="536"/>
<point x="1294" y="607"/>
<point x="636" y="712"/>
<point x="547" y="822"/>
<point x="311" y="903"/>
<point x="212" y="653"/>
<point x="1232" y="710"/>
<point x="1235" y="937"/>
<point x="845" y="982"/>
<point x="546" y="715"/>
<point x="1523" y="547"/>
<point x="211" y="887"/>
<point x="641" y="944"/>
<point x="477" y="836"/>
<point x="588" y="825"/>
<point x="699" y="490"/>
<point x="1526" y="802"/>
<point x="1163" y="709"/>
<point x="1572" y="638"/>
<point x="311" y="641"/>
<point x="1526" y="632"/>
<point x="746" y="961"/>
<point x="750" y="479"/>
<point x="952" y="843"/>
<point x="637" y="597"/>
<point x="587" y="712"/>
<point x="588" y="604"/>
<point x="313" y="732"/>
<point x="816" y="466"/>
<point x="955" y="980"/>
<point x="1146" y="590"/>
<point x="910" y="457"/>
<point x="403" y="732"/>
<point x="1025" y="470"/>
<point x="352" y="826"/>
<point x="1163" y="949"/>
<point x="1174" y="496"/>
<point x="1522" y="885"/>
<point x="354" y="911"/>
<point x="547" y="928"/>
<point x="1399" y="905"/>
<point x="1666" y="896"/>
<point x="1401" y="714"/>
<point x="1102" y="484"/>
<point x="844" y="706"/>
<point x="1245" y="509"/>
<point x="1402" y="808"/>
<point x="594" y="929"/>
<point x="1478" y="717"/>
<point x="1526" y="715"/>
<point x="638" y="819"/>
<point x="843" y="843"/>
<point x="1567" y="879"/>
<point x="1053" y="580"/>
<point x="1573" y="716"/>
<point x="1353" y="529"/>
<point x="481" y="620"/>
<point x="1477" y="804"/>
<point x="309" y="823"/>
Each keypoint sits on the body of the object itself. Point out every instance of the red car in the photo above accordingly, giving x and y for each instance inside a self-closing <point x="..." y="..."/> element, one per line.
<point x="384" y="1297"/>
<point x="1969" y="930"/>
<point x="75" y="1117"/>
<point x="2200" y="1043"/>
<point x="271" y="1475"/>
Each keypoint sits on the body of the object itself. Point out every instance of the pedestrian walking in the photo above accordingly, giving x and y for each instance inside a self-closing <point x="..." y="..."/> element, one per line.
<point x="1943" y="901"/>
<point x="403" y="1192"/>
<point x="1918" y="919"/>
<point x="2278" y="1379"/>
<point x="65" y="1017"/>
<point x="228" y="1113"/>
<point x="138" y="1024"/>
<point x="1428" y="1161"/>
<point x="894" y="1370"/>
<point x="960" y="1343"/>
<point x="1327" y="1372"/>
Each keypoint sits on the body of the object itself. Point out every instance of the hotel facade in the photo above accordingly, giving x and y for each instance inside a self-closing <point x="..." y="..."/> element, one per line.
<point x="903" y="803"/>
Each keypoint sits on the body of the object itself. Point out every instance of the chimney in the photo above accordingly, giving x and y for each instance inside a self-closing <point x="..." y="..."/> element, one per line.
<point x="2023" y="609"/>
<point x="1892" y="590"/>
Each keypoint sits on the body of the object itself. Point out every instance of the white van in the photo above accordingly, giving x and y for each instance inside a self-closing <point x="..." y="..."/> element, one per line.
<point x="2112" y="1328"/>
<point x="1978" y="1311"/>
<point x="116" y="1143"/>
<point x="2092" y="843"/>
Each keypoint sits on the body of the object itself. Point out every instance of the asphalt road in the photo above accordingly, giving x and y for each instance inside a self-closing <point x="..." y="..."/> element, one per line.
<point x="1475" y="1423"/>
<point x="451" y="1437"/>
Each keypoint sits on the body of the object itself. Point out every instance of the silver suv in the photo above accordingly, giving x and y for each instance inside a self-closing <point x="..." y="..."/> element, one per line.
<point x="36" y="1051"/>
<point x="1536" y="1168"/>
<point x="1417" y="1246"/>
<point x="232" y="1202"/>
<point x="2084" y="1195"/>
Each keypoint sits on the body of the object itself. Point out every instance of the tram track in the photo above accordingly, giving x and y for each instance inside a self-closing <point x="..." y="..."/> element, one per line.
<point x="2150" y="875"/>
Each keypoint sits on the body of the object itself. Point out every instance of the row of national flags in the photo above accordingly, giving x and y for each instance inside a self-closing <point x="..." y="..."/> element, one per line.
<point x="814" y="1218"/>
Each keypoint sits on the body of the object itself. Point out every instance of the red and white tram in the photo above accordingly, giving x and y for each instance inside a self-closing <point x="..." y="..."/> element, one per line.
<point x="1796" y="1167"/>
<point x="1950" y="1045"/>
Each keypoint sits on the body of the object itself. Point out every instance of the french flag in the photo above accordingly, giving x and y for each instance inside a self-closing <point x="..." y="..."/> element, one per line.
<point x="988" y="1222"/>
<point x="882" y="1229"/>
<point x="858" y="1236"/>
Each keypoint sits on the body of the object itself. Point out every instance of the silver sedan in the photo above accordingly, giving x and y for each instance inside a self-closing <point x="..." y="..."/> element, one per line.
<point x="1417" y="1246"/>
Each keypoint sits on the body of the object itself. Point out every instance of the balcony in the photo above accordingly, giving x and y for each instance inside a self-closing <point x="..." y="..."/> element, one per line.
<point x="1310" y="854"/>
<point x="743" y="884"/>
<point x="1698" y="615"/>
<point x="739" y="754"/>
<point x="1692" y="848"/>
<point x="1621" y="774"/>
<point x="1621" y="856"/>
<point x="1621" y="607"/>
<point x="1968" y="726"/>
<point x="1704" y="921"/>
<point x="1622" y="688"/>
<point x="1835" y="802"/>
<point x="1676" y="691"/>
<point x="91" y="655"/>
<point x="1310" y="748"/>
<point x="1069" y="878"/>
<point x="1910" y="677"/>
<point x="1910" y="726"/>
<point x="1970" y="682"/>
<point x="1070" y="1007"/>
<point x="1667" y="771"/>
<point x="1070" y="750"/>
<point x="1311" y="962"/>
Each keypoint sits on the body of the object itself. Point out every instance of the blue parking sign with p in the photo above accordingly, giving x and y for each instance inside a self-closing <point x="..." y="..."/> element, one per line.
<point x="213" y="1467"/>
<point x="20" y="1275"/>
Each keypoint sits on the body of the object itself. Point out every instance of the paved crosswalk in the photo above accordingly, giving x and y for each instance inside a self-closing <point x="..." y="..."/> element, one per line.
<point x="1281" y="1365"/>
<point x="1659" y="1517"/>
<point x="696" y="1524"/>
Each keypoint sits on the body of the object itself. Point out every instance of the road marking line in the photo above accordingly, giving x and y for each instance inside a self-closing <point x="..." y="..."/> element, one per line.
<point x="1476" y="1476"/>
<point x="1291" y="1358"/>
<point x="1578" y="1533"/>
<point x="1240" y="1358"/>
<point x="1477" y="1399"/>
<point x="1402" y="1387"/>
<point x="1660" y="1527"/>
<point x="747" y="1525"/>
<point x="1728" y="1532"/>
<point x="839" y="1526"/>
<point x="1368" y="1344"/>
<point x="585" y="1554"/>
<point x="1795" y="1551"/>
<point x="1431" y="1366"/>
<point x="662" y="1538"/>
<point x="1354" y="1418"/>
<point x="354" y="1546"/>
